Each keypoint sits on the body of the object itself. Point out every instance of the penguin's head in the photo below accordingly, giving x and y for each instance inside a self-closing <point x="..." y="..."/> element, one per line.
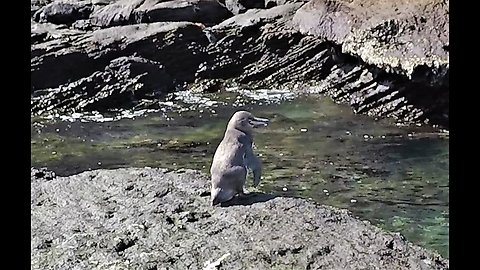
<point x="245" y="121"/>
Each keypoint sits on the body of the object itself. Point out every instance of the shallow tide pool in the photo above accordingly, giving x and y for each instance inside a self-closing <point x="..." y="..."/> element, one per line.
<point x="395" y="176"/>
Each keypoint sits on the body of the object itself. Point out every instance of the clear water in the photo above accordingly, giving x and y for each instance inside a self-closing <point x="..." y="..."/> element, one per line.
<point x="397" y="177"/>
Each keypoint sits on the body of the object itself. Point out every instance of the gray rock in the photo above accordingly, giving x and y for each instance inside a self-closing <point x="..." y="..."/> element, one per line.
<point x="276" y="47"/>
<point x="240" y="6"/>
<point x="60" y="12"/>
<point x="125" y="81"/>
<point x="261" y="48"/>
<point x="72" y="57"/>
<point x="103" y="2"/>
<point x="260" y="17"/>
<point x="82" y="25"/>
<point x="406" y="37"/>
<point x="35" y="5"/>
<point x="146" y="11"/>
<point x="43" y="32"/>
<point x="42" y="173"/>
<point x="154" y="219"/>
<point x="208" y="86"/>
<point x="116" y="13"/>
<point x="274" y="3"/>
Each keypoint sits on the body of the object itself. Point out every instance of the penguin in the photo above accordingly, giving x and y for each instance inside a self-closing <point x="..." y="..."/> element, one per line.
<point x="233" y="156"/>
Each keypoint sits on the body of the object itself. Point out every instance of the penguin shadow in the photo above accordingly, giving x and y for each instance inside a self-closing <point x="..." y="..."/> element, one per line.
<point x="248" y="199"/>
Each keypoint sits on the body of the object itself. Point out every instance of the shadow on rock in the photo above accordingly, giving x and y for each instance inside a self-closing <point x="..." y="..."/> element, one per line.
<point x="248" y="199"/>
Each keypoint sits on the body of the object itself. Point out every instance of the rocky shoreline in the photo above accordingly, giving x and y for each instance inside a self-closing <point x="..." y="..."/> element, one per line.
<point x="383" y="58"/>
<point x="157" y="219"/>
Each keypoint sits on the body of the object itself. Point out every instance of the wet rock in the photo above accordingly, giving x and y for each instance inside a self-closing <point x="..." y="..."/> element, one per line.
<point x="123" y="82"/>
<point x="89" y="220"/>
<point x="142" y="11"/>
<point x="208" y="86"/>
<point x="60" y="12"/>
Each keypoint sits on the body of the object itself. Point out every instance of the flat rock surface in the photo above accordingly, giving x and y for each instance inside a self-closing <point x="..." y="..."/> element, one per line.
<point x="155" y="219"/>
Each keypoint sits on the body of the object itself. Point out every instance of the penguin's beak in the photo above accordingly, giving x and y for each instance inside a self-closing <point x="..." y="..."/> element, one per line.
<point x="258" y="122"/>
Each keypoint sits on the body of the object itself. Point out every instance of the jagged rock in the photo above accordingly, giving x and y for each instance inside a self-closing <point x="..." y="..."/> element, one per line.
<point x="259" y="48"/>
<point x="72" y="57"/>
<point x="276" y="47"/>
<point x="125" y="81"/>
